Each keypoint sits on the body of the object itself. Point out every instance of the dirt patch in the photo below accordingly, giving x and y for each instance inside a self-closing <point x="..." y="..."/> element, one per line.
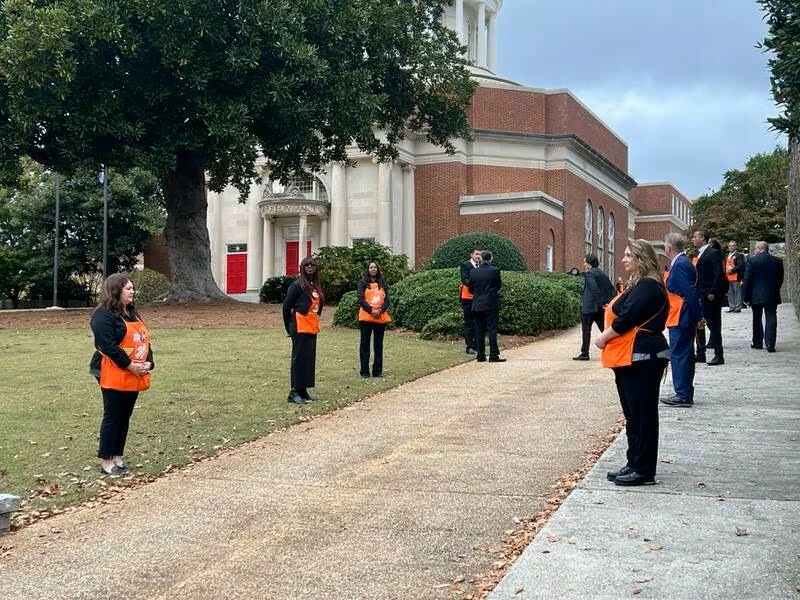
<point x="224" y="314"/>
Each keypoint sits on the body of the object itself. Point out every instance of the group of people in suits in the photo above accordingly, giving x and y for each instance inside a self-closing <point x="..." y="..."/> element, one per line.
<point x="480" y="303"/>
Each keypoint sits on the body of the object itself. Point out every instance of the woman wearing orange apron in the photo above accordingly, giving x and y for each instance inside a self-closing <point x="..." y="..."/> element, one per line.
<point x="301" y="310"/>
<point x="373" y="300"/>
<point x="635" y="348"/>
<point x="121" y="363"/>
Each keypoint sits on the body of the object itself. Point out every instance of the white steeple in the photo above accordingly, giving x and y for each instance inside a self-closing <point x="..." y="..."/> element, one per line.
<point x="474" y="23"/>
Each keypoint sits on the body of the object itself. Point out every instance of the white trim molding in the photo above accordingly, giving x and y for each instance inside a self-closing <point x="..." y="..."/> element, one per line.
<point x="533" y="201"/>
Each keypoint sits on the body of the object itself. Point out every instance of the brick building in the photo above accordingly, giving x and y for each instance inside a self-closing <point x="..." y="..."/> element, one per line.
<point x="541" y="169"/>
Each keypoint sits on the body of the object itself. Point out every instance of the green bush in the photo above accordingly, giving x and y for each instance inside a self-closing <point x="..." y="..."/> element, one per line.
<point x="150" y="285"/>
<point x="340" y="267"/>
<point x="507" y="257"/>
<point x="274" y="289"/>
<point x="346" y="314"/>
<point x="448" y="325"/>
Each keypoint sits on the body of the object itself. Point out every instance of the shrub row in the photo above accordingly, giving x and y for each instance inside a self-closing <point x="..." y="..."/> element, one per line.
<point x="506" y="256"/>
<point x="428" y="302"/>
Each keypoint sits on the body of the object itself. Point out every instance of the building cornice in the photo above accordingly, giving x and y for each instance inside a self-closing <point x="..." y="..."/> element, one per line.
<point x="661" y="219"/>
<point x="532" y="201"/>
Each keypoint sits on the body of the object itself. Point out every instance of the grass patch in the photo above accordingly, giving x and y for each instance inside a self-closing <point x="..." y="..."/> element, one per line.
<point x="212" y="389"/>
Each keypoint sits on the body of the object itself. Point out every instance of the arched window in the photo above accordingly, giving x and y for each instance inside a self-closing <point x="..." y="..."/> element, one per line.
<point x="587" y="228"/>
<point x="600" y="233"/>
<point x="610" y="244"/>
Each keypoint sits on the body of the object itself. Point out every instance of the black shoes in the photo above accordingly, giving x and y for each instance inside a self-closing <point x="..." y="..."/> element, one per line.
<point x="581" y="357"/>
<point x="612" y="475"/>
<point x="700" y="358"/>
<point x="634" y="478"/>
<point x="115" y="470"/>
<point x="496" y="359"/>
<point x="676" y="400"/>
<point x="306" y="396"/>
<point x="754" y="347"/>
<point x="471" y="351"/>
<point x="770" y="348"/>
<point x="717" y="360"/>
<point x="481" y="359"/>
<point x="295" y="398"/>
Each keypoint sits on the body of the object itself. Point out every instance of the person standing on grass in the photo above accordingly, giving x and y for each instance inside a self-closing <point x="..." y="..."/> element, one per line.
<point x="302" y="308"/>
<point x="373" y="300"/>
<point x="121" y="363"/>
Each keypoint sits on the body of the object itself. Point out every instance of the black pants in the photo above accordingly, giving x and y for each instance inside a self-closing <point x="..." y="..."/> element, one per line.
<point x="712" y="311"/>
<point x="469" y="324"/>
<point x="587" y="320"/>
<point x="304" y="359"/>
<point x="486" y="323"/>
<point x="369" y="328"/>
<point x="765" y="335"/>
<point x="117" y="411"/>
<point x="638" y="387"/>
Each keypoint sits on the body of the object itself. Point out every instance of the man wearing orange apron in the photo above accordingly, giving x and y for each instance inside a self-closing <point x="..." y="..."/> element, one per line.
<point x="466" y="299"/>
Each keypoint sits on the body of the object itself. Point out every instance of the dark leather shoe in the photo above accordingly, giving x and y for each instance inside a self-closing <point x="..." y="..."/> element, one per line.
<point x="471" y="351"/>
<point x="717" y="360"/>
<point x="676" y="400"/>
<point x="377" y="374"/>
<point x="770" y="348"/>
<point x="306" y="396"/>
<point x="581" y="357"/>
<point x="294" y="398"/>
<point x="612" y="475"/>
<point x="481" y="359"/>
<point x="115" y="470"/>
<point x="497" y="359"/>
<point x="633" y="478"/>
<point x="700" y="358"/>
<point x="754" y="347"/>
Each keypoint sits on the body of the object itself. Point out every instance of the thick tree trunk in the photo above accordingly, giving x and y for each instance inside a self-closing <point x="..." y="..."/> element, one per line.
<point x="187" y="235"/>
<point x="793" y="225"/>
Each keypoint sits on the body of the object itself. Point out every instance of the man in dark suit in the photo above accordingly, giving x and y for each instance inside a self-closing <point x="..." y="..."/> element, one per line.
<point x="684" y="315"/>
<point x="712" y="285"/>
<point x="597" y="292"/>
<point x="484" y="284"/>
<point x="763" y="277"/>
<point x="466" y="299"/>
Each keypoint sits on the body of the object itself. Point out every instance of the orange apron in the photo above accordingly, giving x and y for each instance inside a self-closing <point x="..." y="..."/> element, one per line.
<point x="309" y="322"/>
<point x="619" y="351"/>
<point x="464" y="292"/>
<point x="675" y="306"/>
<point x="729" y="264"/>
<point x="136" y="344"/>
<point x="375" y="296"/>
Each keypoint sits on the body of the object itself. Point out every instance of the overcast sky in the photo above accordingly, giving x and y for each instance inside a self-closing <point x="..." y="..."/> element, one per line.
<point x="679" y="80"/>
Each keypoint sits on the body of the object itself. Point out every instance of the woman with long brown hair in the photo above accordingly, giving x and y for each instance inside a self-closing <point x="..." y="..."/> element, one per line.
<point x="635" y="348"/>
<point x="121" y="363"/>
<point x="301" y="310"/>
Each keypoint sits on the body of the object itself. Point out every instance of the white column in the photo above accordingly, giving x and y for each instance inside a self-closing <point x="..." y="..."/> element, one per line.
<point x="301" y="238"/>
<point x="409" y="215"/>
<point x="324" y="223"/>
<point x="481" y="22"/>
<point x="255" y="241"/>
<point x="268" y="268"/>
<point x="338" y="224"/>
<point x="385" y="203"/>
<point x="491" y="42"/>
<point x="218" y="249"/>
<point x="460" y="21"/>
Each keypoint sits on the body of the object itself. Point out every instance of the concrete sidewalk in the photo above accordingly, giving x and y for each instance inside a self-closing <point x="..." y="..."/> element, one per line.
<point x="724" y="520"/>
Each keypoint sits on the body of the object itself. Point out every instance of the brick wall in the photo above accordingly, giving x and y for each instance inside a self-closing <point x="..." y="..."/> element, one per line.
<point x="520" y="111"/>
<point x="437" y="189"/>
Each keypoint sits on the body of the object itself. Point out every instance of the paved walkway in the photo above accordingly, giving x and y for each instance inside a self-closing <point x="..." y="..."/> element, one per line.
<point x="724" y="521"/>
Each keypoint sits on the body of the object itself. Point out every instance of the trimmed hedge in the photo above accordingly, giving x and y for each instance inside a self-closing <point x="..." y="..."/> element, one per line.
<point x="274" y="289"/>
<point x="150" y="285"/>
<point x="507" y="257"/>
<point x="428" y="302"/>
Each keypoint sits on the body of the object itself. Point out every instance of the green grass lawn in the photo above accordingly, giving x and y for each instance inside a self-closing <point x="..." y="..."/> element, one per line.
<point x="212" y="389"/>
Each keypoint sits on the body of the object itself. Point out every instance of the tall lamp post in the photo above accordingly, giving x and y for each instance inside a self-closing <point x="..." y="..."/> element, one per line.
<point x="104" y="178"/>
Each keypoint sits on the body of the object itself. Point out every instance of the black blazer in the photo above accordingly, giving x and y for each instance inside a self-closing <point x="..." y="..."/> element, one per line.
<point x="763" y="278"/>
<point x="597" y="291"/>
<point x="297" y="301"/>
<point x="485" y="283"/>
<point x="711" y="277"/>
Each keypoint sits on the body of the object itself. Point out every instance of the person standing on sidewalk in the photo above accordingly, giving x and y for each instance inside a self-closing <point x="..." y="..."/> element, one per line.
<point x="684" y="315"/>
<point x="712" y="285"/>
<point x="597" y="292"/>
<point x="121" y="363"/>
<point x="734" y="271"/>
<point x="373" y="300"/>
<point x="763" y="279"/>
<point x="473" y="262"/>
<point x="301" y="310"/>
<point x="484" y="285"/>
<point x="634" y="347"/>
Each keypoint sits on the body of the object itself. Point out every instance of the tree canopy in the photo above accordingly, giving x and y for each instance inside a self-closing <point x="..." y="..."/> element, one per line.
<point x="750" y="204"/>
<point x="196" y="88"/>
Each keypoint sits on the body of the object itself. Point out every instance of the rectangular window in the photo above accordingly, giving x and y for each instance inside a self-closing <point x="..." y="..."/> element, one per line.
<point x="236" y="248"/>
<point x="364" y="240"/>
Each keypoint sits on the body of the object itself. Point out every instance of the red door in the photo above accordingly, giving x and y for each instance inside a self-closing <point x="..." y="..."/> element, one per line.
<point x="236" y="274"/>
<point x="292" y="260"/>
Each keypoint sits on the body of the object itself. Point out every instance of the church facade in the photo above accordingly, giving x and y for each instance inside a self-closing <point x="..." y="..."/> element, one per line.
<point x="541" y="169"/>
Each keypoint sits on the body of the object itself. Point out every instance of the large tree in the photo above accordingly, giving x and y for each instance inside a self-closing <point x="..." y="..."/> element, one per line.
<point x="783" y="42"/>
<point x="191" y="89"/>
<point x="750" y="204"/>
